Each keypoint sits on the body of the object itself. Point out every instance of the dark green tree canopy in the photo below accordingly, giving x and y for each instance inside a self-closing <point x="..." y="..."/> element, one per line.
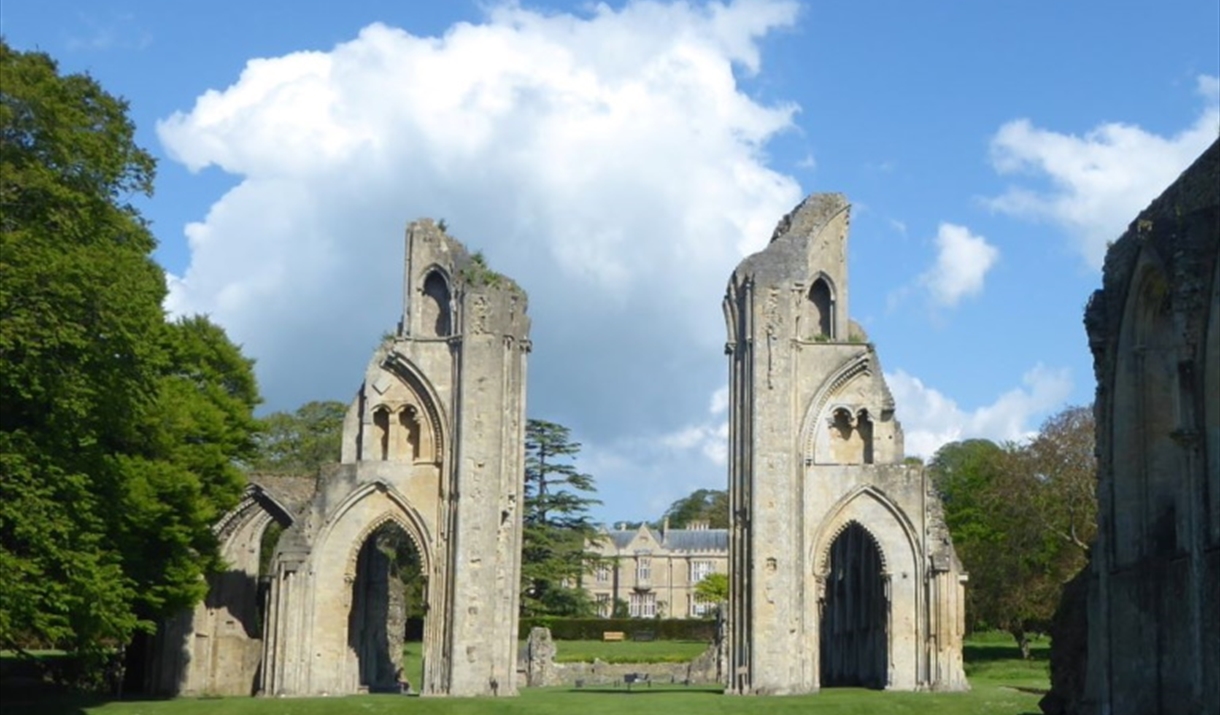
<point x="714" y="588"/>
<point x="556" y="524"/>
<point x="119" y="431"/>
<point x="302" y="441"/>
<point x="554" y="488"/>
<point x="1021" y="516"/>
<point x="710" y="506"/>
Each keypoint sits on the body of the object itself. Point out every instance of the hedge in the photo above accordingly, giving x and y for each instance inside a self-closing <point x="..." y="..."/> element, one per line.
<point x="591" y="629"/>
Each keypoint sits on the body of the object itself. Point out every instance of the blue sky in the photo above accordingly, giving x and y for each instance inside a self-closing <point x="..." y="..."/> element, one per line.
<point x="618" y="160"/>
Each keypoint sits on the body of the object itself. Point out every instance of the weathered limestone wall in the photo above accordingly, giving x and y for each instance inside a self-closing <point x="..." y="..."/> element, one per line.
<point x="216" y="649"/>
<point x="538" y="665"/>
<point x="814" y="449"/>
<point x="433" y="447"/>
<point x="433" y="442"/>
<point x="1154" y="328"/>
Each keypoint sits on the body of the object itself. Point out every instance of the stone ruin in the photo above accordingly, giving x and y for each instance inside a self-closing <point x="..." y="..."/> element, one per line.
<point x="842" y="571"/>
<point x="432" y="457"/>
<point x="841" y="567"/>
<point x="539" y="667"/>
<point x="1139" y="631"/>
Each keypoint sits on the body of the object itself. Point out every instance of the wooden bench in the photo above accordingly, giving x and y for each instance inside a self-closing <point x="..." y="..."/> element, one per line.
<point x="613" y="636"/>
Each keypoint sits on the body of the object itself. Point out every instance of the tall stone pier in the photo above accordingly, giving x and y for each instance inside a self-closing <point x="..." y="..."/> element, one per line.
<point x="432" y="465"/>
<point x="842" y="570"/>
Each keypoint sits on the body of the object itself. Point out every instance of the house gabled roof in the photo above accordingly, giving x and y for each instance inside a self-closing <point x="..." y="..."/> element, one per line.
<point x="686" y="540"/>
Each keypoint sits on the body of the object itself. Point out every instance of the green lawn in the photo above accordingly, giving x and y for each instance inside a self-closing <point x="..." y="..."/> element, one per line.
<point x="628" y="651"/>
<point x="1002" y="684"/>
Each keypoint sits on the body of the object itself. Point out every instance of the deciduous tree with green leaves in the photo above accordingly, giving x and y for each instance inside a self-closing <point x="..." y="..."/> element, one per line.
<point x="1022" y="517"/>
<point x="299" y="442"/>
<point x="710" y="506"/>
<point x="119" y="431"/>
<point x="556" y="524"/>
<point x="713" y="588"/>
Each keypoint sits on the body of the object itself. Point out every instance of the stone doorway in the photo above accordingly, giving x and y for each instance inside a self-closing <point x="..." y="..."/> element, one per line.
<point x="855" y="613"/>
<point x="387" y="591"/>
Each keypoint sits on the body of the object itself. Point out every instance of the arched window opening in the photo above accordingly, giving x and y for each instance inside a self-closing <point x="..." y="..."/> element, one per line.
<point x="823" y="309"/>
<point x="1163" y="455"/>
<point x="842" y="424"/>
<point x="847" y="444"/>
<point x="407" y="438"/>
<point x="435" y="319"/>
<point x="385" y="624"/>
<point x="1147" y="458"/>
<point x="381" y="433"/>
<point x="855" y="612"/>
<point x="267" y="544"/>
<point x="864" y="426"/>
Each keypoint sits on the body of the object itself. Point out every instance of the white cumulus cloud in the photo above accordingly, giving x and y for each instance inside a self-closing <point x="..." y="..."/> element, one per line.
<point x="962" y="262"/>
<point x="931" y="419"/>
<point x="592" y="158"/>
<point x="1096" y="183"/>
<point x="609" y="162"/>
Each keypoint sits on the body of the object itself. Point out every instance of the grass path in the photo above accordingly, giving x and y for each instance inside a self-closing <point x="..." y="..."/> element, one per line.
<point x="987" y="698"/>
<point x="1002" y="684"/>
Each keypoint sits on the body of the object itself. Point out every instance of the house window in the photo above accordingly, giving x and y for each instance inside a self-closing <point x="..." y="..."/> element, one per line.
<point x="603" y="573"/>
<point x="699" y="606"/>
<point x="643" y="605"/>
<point x="604" y="605"/>
<point x="643" y="569"/>
<point x="699" y="571"/>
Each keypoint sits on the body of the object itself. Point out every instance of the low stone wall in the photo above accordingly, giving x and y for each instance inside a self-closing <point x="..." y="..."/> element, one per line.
<point x="538" y="668"/>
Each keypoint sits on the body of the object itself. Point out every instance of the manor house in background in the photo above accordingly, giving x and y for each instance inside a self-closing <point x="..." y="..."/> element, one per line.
<point x="654" y="573"/>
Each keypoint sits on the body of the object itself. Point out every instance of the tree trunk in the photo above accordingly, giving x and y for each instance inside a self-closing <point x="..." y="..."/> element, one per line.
<point x="1022" y="641"/>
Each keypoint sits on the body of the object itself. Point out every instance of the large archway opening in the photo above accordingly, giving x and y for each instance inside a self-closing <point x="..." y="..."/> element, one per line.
<point x="855" y="613"/>
<point x="388" y="607"/>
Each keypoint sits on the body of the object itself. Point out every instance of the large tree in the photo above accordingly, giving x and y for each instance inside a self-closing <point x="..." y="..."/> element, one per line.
<point x="556" y="523"/>
<point x="299" y="442"/>
<point x="118" y="430"/>
<point x="1021" y="516"/>
<point x="714" y="588"/>
<point x="710" y="506"/>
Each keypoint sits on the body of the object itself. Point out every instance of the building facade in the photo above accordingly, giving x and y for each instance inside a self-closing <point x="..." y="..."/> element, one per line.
<point x="653" y="573"/>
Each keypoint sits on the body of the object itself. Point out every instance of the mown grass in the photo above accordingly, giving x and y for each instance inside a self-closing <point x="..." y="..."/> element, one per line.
<point x="628" y="651"/>
<point x="1001" y="684"/>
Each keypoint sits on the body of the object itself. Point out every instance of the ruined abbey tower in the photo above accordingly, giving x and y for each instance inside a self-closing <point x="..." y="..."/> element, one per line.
<point x="842" y="571"/>
<point x="432" y="464"/>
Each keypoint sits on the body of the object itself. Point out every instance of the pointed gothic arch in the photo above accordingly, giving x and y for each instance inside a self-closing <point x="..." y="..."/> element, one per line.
<point x="854" y="611"/>
<point x="220" y="642"/>
<point x="436" y="309"/>
<point x="820" y="308"/>
<point x="346" y="530"/>
<point x="872" y="508"/>
<point x="391" y="505"/>
<point x="899" y="563"/>
<point x="1147" y="458"/>
<point x="430" y="416"/>
<point x="820" y="410"/>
